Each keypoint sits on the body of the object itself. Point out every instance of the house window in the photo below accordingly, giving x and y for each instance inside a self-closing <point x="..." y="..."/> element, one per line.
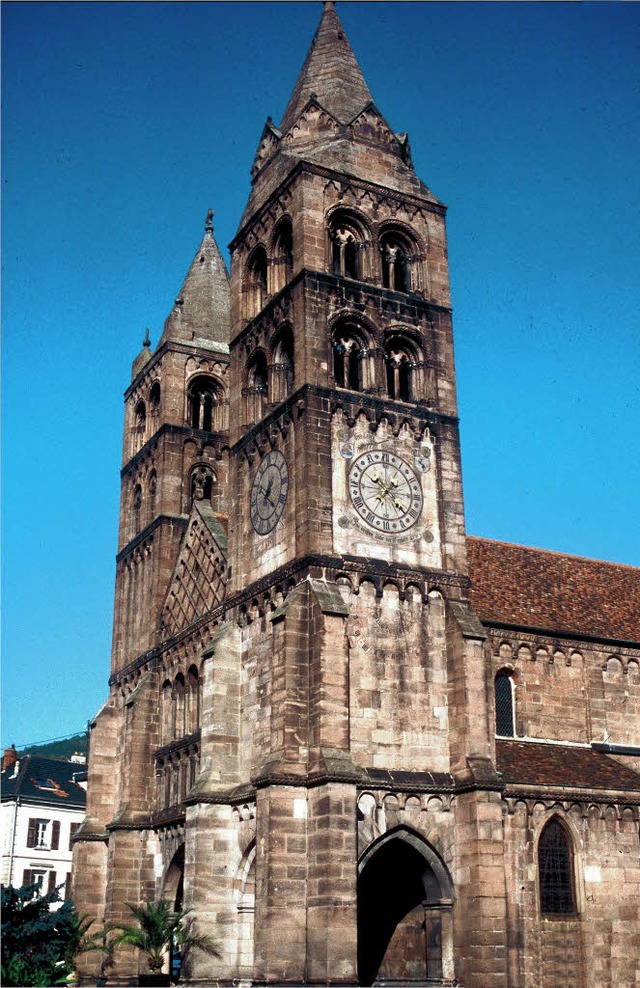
<point x="55" y="835"/>
<point x="555" y="870"/>
<point x="34" y="876"/>
<point x="37" y="832"/>
<point x="505" y="726"/>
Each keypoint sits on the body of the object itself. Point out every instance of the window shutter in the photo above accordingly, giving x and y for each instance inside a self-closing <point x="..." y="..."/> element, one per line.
<point x="72" y="831"/>
<point x="67" y="886"/>
<point x="55" y="835"/>
<point x="31" y="835"/>
<point x="26" y="877"/>
<point x="52" y="881"/>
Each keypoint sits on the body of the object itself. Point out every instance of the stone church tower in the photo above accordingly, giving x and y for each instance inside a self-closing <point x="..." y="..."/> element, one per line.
<point x="300" y="739"/>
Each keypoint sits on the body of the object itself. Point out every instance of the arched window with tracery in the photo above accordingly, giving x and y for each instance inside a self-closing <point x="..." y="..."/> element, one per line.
<point x="504" y="701"/>
<point x="256" y="392"/>
<point x="555" y="870"/>
<point x="399" y="257"/>
<point x="352" y="360"/>
<point x="140" y="426"/>
<point x="348" y="238"/>
<point x="404" y="368"/>
<point x="256" y="284"/>
<point x="281" y="376"/>
<point x="202" y="484"/>
<point x="204" y="404"/>
<point x="282" y="254"/>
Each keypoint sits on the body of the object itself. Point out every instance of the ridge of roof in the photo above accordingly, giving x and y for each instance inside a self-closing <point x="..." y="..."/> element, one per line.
<point x="330" y="73"/>
<point x="551" y="552"/>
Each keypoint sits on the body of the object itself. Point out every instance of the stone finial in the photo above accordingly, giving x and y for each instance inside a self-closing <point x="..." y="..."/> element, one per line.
<point x="209" y="223"/>
<point x="146" y="341"/>
<point x="328" y="4"/>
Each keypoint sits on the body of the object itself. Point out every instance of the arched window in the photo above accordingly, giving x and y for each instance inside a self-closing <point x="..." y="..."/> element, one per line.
<point x="399" y="257"/>
<point x="179" y="691"/>
<point x="351" y="357"/>
<point x="140" y="426"/>
<point x="256" y="392"/>
<point x="349" y="240"/>
<point x="281" y="384"/>
<point x="257" y="282"/>
<point x="193" y="699"/>
<point x="202" y="481"/>
<point x="505" y="721"/>
<point x="137" y="498"/>
<point x="167" y="712"/>
<point x="154" y="399"/>
<point x="282" y="254"/>
<point x="555" y="870"/>
<point x="404" y="368"/>
<point x="204" y="403"/>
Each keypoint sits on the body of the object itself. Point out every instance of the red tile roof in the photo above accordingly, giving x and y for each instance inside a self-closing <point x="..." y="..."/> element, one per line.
<point x="537" y="588"/>
<point x="535" y="764"/>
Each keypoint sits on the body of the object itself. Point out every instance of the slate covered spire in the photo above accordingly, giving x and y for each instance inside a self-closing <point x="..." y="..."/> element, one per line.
<point x="201" y="311"/>
<point x="330" y="73"/>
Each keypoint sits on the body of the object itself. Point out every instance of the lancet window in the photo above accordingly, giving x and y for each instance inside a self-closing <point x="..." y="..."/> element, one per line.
<point x="505" y="721"/>
<point x="154" y="399"/>
<point x="348" y="238"/>
<point x="555" y="870"/>
<point x="282" y="254"/>
<point x="256" y="285"/>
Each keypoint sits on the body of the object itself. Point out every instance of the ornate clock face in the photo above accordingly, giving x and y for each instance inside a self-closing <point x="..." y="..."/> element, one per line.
<point x="385" y="491"/>
<point x="269" y="492"/>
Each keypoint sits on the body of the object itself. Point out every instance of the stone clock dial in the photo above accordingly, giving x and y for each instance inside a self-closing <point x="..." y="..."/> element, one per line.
<point x="269" y="492"/>
<point x="385" y="491"/>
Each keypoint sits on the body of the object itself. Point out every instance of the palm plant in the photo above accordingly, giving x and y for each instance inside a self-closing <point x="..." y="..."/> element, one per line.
<point x="159" y="927"/>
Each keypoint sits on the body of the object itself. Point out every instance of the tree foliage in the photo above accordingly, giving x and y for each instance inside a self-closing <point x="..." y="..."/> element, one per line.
<point x="38" y="945"/>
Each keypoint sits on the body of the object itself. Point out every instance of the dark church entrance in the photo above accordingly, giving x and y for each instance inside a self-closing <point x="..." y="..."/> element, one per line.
<point x="404" y="912"/>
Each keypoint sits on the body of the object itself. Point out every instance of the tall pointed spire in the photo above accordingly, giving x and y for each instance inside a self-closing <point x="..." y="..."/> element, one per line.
<point x="330" y="73"/>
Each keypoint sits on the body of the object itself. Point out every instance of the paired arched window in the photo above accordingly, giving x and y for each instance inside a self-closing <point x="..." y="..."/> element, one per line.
<point x="282" y="254"/>
<point x="505" y="719"/>
<point x="348" y="239"/>
<point x="256" y="282"/>
<point x="180" y="706"/>
<point x="401" y="365"/>
<point x="204" y="401"/>
<point x="351" y="357"/>
<point x="555" y="870"/>
<point x="281" y="384"/>
<point x="154" y="399"/>
<point x="398" y="255"/>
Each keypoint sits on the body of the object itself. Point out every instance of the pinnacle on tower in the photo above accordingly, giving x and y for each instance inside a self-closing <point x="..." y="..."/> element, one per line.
<point x="330" y="73"/>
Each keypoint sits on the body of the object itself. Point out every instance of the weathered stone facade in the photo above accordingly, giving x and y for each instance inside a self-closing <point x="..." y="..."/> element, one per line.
<point x="356" y="743"/>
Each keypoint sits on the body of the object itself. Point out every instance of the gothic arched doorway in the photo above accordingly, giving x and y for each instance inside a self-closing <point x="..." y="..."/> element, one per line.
<point x="173" y="892"/>
<point x="404" y="912"/>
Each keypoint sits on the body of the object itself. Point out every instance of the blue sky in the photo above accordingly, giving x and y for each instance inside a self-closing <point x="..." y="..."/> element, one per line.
<point x="124" y="122"/>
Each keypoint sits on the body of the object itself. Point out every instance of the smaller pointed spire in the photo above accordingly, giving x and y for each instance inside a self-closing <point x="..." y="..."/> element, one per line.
<point x="146" y="341"/>
<point x="143" y="357"/>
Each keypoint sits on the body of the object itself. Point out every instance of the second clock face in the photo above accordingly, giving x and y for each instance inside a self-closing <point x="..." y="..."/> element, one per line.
<point x="385" y="491"/>
<point x="269" y="492"/>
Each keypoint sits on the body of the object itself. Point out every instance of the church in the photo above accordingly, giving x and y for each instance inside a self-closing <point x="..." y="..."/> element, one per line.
<point x="361" y="746"/>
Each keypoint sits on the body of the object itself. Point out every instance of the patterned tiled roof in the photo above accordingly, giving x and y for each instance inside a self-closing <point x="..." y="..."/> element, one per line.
<point x="535" y="764"/>
<point x="537" y="588"/>
<point x="44" y="781"/>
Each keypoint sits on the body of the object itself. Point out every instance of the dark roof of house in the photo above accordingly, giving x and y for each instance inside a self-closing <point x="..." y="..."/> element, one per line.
<point x="536" y="588"/>
<point x="541" y="764"/>
<point x="45" y="782"/>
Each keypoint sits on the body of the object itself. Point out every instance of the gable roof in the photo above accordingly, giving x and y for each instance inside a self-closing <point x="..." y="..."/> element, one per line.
<point x="521" y="586"/>
<point x="45" y="782"/>
<point x="542" y="764"/>
<point x="330" y="73"/>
